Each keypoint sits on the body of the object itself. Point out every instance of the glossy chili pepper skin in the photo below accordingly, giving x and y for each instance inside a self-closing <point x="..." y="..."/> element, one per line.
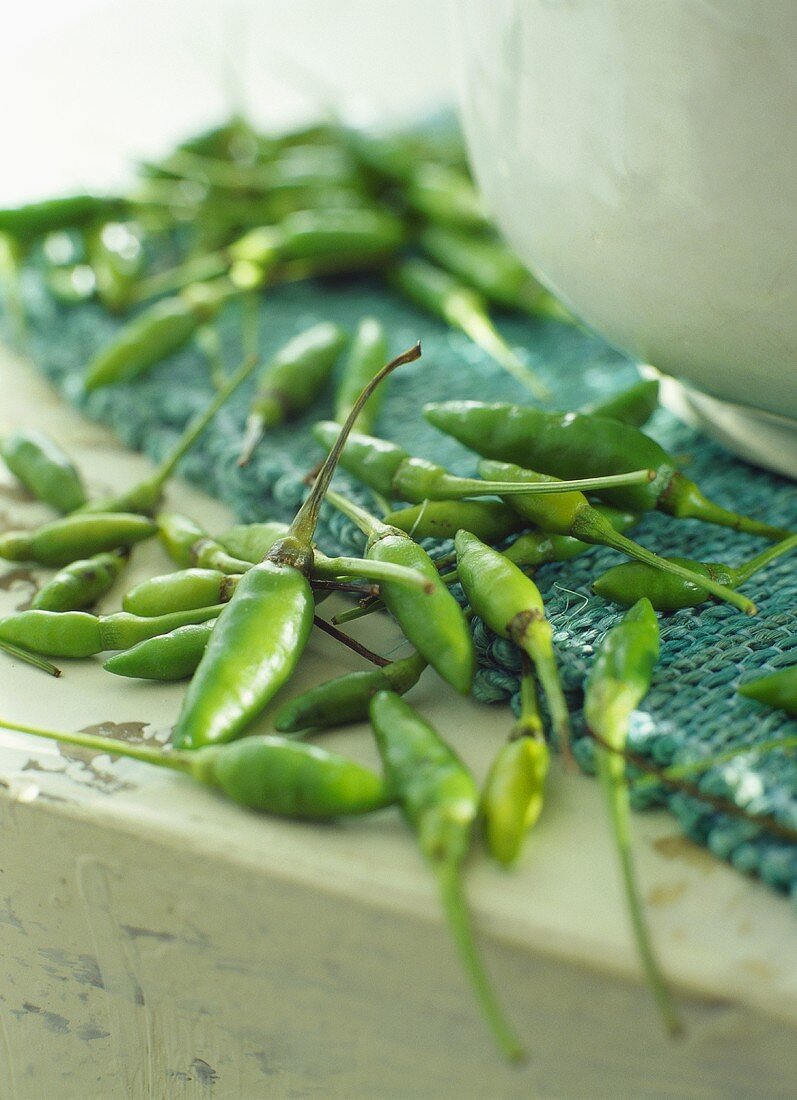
<point x="76" y="536"/>
<point x="252" y="541"/>
<point x="80" y="584"/>
<point x="189" y="545"/>
<point x="180" y="591"/>
<point x="79" y="634"/>
<point x="347" y="699"/>
<point x="158" y="332"/>
<point x="367" y="354"/>
<point x="489" y="520"/>
<point x="373" y="461"/>
<point x="172" y="656"/>
<point x="43" y="468"/>
<point x="25" y="223"/>
<point x="778" y="690"/>
<point x="539" y="547"/>
<point x="633" y="406"/>
<point x="292" y="380"/>
<point x="573" y="445"/>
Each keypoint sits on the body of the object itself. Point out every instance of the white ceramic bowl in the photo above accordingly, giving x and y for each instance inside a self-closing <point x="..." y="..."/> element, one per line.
<point x="641" y="156"/>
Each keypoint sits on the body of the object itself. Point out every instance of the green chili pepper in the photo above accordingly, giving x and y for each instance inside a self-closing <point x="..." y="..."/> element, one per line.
<point x="434" y="623"/>
<point x="571" y="514"/>
<point x="181" y="591"/>
<point x="633" y="406"/>
<point x="539" y="547"/>
<point x="81" y="583"/>
<point x="392" y="472"/>
<point x="441" y="519"/>
<point x="271" y="774"/>
<point x="24" y="223"/>
<point x="43" y="468"/>
<point x="167" y="657"/>
<point x="625" y="584"/>
<point x="145" y="496"/>
<point x="64" y="540"/>
<point x="778" y="690"/>
<point x="301" y="166"/>
<point x="460" y="307"/>
<point x="570" y="444"/>
<point x="510" y="603"/>
<point x="264" y="628"/>
<point x="512" y="798"/>
<point x="367" y="354"/>
<point x="618" y="681"/>
<point x="252" y="541"/>
<point x="444" y="195"/>
<point x="116" y="257"/>
<point x="488" y="266"/>
<point x="157" y="333"/>
<point x="347" y="698"/>
<point x="189" y="545"/>
<point x="440" y="800"/>
<point x="79" y="634"/>
<point x="291" y="381"/>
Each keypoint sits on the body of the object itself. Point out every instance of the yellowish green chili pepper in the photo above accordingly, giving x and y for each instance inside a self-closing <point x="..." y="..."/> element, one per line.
<point x="513" y="792"/>
<point x="157" y="333"/>
<point x="189" y="545"/>
<point x="174" y="655"/>
<point x="434" y="623"/>
<point x="572" y="444"/>
<point x="81" y="583"/>
<point x="79" y="634"/>
<point x="181" y="591"/>
<point x="272" y="774"/>
<point x="300" y="166"/>
<point x="347" y="699"/>
<point x="572" y="514"/>
<point x="460" y="307"/>
<point x="367" y="354"/>
<point x="778" y="690"/>
<point x="618" y="681"/>
<point x="82" y="534"/>
<point x="251" y="542"/>
<point x="43" y="468"/>
<point x="392" y="472"/>
<point x="627" y="583"/>
<point x="510" y="603"/>
<point x="445" y="196"/>
<point x="291" y="381"/>
<point x="263" y="630"/>
<point x="440" y="801"/>
<point x="25" y="223"/>
<point x="539" y="547"/>
<point x="489" y="520"/>
<point x="633" y="406"/>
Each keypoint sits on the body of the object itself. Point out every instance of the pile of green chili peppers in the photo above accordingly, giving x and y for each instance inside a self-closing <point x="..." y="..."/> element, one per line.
<point x="235" y="616"/>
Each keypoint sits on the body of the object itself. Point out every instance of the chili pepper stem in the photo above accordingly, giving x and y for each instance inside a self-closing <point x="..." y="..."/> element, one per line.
<point x="611" y="768"/>
<point x="483" y="333"/>
<point x="683" y="499"/>
<point x="179" y="761"/>
<point x="457" y="488"/>
<point x="372" y="570"/>
<point x="253" y="433"/>
<point x="534" y="637"/>
<point x="453" y="900"/>
<point x="609" y="537"/>
<point x="744" y="572"/>
<point x="30" y="658"/>
<point x="196" y="270"/>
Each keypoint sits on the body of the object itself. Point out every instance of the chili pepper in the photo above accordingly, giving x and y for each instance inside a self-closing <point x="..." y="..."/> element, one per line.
<point x="512" y="798"/>
<point x="488" y="266"/>
<point x="510" y="603"/>
<point x="440" y="800"/>
<point x="271" y="774"/>
<point x="538" y="547"/>
<point x="145" y="496"/>
<point x="81" y="583"/>
<point x="570" y="444"/>
<point x="20" y="654"/>
<point x="79" y="634"/>
<point x="366" y="355"/>
<point x="157" y="333"/>
<point x="43" y="468"/>
<point x="444" y="195"/>
<point x="264" y="628"/>
<point x="189" y="545"/>
<point x="66" y="539"/>
<point x="778" y="690"/>
<point x="633" y="406"/>
<point x="181" y="591"/>
<point x="291" y="381"/>
<point x="460" y="307"/>
<point x="435" y="624"/>
<point x="618" y="681"/>
<point x="571" y="514"/>
<point x="347" y="698"/>
<point x="441" y="519"/>
<point x="301" y="166"/>
<point x="116" y="258"/>
<point x="252" y="541"/>
<point x="24" y="223"/>
<point x="167" y="657"/>
<point x="625" y="584"/>
<point x="392" y="472"/>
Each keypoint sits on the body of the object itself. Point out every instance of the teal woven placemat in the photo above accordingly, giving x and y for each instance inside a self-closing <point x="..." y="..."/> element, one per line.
<point x="692" y="709"/>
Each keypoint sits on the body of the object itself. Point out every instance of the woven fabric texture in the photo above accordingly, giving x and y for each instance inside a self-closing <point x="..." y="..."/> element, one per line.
<point x="692" y="710"/>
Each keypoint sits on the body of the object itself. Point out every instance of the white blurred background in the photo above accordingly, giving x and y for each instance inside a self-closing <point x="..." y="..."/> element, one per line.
<point x="88" y="85"/>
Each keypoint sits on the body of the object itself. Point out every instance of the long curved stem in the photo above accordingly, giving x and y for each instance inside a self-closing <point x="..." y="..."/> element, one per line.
<point x="179" y="761"/>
